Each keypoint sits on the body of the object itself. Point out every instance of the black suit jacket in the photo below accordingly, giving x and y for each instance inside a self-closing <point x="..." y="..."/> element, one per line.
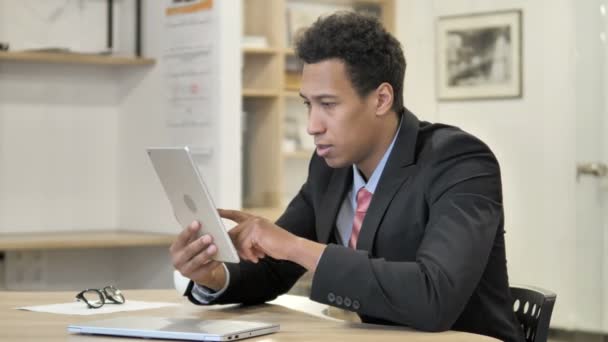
<point x="431" y="251"/>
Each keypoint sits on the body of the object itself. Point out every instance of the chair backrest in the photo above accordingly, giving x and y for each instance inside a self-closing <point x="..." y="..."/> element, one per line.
<point x="533" y="307"/>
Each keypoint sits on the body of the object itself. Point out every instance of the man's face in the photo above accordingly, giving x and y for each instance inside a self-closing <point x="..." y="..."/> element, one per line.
<point x="341" y="122"/>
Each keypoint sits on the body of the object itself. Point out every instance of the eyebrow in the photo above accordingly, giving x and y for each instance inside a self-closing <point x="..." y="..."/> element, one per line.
<point x="320" y="97"/>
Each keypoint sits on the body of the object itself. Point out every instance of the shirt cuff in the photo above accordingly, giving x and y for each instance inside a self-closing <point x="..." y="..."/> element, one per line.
<point x="206" y="295"/>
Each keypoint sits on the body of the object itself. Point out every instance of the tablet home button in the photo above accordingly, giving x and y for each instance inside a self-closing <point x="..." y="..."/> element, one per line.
<point x="190" y="203"/>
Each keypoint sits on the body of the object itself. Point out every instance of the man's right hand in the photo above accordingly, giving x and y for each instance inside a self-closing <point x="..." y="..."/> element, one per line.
<point x="192" y="257"/>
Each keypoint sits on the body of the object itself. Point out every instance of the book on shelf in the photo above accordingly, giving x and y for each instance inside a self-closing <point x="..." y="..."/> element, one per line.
<point x="300" y="15"/>
<point x="256" y="42"/>
<point x="293" y="73"/>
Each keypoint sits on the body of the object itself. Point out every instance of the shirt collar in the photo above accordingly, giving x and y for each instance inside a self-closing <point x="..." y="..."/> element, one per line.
<point x="359" y="182"/>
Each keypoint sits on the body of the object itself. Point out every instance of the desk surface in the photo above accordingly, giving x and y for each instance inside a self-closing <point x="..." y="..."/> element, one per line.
<point x="18" y="325"/>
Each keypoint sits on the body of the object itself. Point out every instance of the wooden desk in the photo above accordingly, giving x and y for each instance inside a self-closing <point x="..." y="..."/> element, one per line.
<point x="18" y="325"/>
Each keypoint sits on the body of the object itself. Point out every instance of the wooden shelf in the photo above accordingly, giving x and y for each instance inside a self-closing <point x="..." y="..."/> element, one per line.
<point x="292" y="94"/>
<point x="73" y="58"/>
<point x="260" y="51"/>
<point x="75" y="240"/>
<point x="248" y="92"/>
<point x="289" y="52"/>
<point x="300" y="154"/>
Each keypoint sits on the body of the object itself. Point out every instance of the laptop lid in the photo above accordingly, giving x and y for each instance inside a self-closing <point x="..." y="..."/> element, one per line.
<point x="193" y="329"/>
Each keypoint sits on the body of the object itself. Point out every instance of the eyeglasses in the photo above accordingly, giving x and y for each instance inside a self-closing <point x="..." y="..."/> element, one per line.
<point x="96" y="298"/>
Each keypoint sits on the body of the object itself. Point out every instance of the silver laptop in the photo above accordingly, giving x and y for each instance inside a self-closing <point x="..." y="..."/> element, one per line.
<point x="192" y="329"/>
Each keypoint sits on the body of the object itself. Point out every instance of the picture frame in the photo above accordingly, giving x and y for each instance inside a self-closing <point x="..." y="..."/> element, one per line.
<point x="301" y="15"/>
<point x="479" y="56"/>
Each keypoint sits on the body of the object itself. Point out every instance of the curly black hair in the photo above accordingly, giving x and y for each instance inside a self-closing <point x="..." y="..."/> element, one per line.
<point x="371" y="54"/>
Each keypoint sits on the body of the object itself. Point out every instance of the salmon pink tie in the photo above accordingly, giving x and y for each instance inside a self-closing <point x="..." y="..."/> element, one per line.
<point x="364" y="197"/>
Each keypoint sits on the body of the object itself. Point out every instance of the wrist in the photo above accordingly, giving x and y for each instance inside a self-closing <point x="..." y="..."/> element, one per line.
<point x="216" y="278"/>
<point x="306" y="253"/>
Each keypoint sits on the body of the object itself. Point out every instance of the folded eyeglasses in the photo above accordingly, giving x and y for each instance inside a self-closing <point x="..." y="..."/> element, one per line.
<point x="96" y="298"/>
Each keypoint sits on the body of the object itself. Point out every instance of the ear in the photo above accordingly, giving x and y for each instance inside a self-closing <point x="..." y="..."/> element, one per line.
<point x="385" y="98"/>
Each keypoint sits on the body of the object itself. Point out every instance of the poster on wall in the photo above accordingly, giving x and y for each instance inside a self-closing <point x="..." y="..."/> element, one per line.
<point x="188" y="59"/>
<point x="190" y="68"/>
<point x="479" y="56"/>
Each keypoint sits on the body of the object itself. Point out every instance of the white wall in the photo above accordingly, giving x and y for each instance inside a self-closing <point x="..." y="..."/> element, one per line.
<point x="604" y="157"/>
<point x="533" y="137"/>
<point x="73" y="139"/>
<point x="58" y="134"/>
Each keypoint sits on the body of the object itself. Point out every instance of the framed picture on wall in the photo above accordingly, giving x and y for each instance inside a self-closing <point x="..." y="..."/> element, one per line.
<point x="479" y="56"/>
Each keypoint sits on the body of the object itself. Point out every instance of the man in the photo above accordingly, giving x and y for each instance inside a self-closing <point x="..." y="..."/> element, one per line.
<point x="400" y="221"/>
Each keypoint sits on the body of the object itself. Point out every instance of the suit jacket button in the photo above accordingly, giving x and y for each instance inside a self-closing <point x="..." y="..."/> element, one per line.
<point x="339" y="300"/>
<point x="356" y="305"/>
<point x="347" y="302"/>
<point x="331" y="297"/>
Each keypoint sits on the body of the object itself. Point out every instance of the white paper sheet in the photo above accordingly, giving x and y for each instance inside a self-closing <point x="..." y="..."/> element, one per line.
<point x="303" y="304"/>
<point x="80" y="308"/>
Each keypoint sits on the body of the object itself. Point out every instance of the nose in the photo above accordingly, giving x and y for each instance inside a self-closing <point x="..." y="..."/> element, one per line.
<point x="315" y="123"/>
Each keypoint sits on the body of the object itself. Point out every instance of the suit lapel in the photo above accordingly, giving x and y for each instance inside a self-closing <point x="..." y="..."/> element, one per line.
<point x="339" y="184"/>
<point x="399" y="167"/>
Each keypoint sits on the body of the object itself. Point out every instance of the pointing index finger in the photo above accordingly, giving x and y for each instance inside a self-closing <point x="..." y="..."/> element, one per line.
<point x="233" y="215"/>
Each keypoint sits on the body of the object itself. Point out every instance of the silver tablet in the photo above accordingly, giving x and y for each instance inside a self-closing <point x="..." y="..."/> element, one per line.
<point x="190" y="198"/>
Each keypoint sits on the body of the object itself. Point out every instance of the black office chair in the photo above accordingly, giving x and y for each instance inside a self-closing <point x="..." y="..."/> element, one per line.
<point x="533" y="307"/>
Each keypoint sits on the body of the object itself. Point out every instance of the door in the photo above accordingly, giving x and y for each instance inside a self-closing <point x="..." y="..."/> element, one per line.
<point x="591" y="87"/>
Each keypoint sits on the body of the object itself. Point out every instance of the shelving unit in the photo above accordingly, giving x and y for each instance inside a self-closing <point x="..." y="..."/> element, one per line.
<point x="260" y="51"/>
<point x="257" y="93"/>
<point x="73" y="58"/>
<point x="82" y="240"/>
<point x="291" y="94"/>
<point x="266" y="101"/>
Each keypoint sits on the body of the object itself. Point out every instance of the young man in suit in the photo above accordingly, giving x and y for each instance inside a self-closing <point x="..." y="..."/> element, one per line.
<point x="400" y="221"/>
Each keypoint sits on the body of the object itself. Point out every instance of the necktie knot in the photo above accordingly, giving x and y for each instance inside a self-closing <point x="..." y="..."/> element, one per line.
<point x="364" y="197"/>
